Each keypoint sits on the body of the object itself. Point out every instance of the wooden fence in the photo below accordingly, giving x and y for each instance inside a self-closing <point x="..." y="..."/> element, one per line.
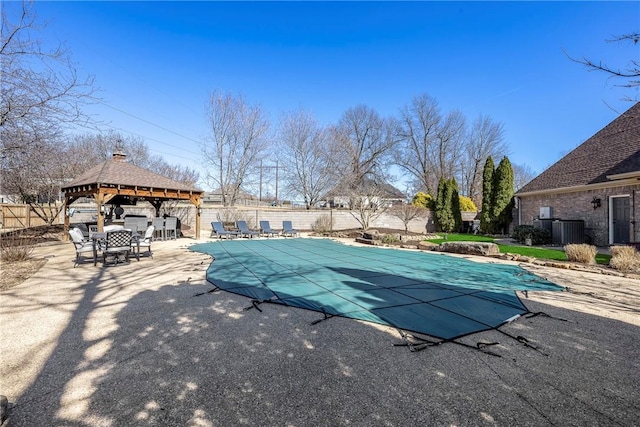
<point x="16" y="216"/>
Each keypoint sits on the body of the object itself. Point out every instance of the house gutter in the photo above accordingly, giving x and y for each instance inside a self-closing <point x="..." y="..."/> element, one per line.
<point x="633" y="179"/>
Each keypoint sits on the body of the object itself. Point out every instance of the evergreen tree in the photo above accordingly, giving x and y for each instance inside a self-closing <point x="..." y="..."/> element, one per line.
<point x="455" y="205"/>
<point x="502" y="196"/>
<point x="486" y="221"/>
<point x="444" y="210"/>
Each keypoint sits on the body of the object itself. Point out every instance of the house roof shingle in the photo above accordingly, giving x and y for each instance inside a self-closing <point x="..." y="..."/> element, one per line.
<point x="117" y="171"/>
<point x="615" y="149"/>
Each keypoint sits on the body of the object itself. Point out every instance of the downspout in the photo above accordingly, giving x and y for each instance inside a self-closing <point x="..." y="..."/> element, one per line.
<point x="634" y="237"/>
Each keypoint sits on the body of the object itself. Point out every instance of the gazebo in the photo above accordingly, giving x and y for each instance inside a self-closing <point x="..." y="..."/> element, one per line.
<point x="117" y="179"/>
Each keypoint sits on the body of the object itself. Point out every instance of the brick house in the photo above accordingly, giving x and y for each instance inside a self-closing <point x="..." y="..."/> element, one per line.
<point x="597" y="185"/>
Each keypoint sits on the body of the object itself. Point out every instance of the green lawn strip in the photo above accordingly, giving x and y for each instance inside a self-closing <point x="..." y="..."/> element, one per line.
<point x="461" y="238"/>
<point x="539" y="253"/>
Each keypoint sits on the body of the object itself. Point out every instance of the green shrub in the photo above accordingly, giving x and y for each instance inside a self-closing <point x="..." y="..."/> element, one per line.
<point x="423" y="200"/>
<point x="467" y="205"/>
<point x="389" y="238"/>
<point x="538" y="236"/>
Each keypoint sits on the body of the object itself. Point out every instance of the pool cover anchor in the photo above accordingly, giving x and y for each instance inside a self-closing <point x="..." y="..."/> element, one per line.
<point x="327" y="316"/>
<point x="210" y="291"/>
<point x="422" y="343"/>
<point x="256" y="302"/>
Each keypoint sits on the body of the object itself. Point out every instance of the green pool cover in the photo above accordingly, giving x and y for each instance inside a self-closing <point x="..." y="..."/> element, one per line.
<point x="428" y="293"/>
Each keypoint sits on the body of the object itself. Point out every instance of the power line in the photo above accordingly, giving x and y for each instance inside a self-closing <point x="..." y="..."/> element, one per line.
<point x="149" y="122"/>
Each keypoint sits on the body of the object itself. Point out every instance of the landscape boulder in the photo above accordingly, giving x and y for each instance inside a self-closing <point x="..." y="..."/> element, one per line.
<point x="470" y="248"/>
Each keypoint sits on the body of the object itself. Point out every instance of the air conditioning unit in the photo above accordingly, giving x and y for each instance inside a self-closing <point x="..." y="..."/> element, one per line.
<point x="546" y="212"/>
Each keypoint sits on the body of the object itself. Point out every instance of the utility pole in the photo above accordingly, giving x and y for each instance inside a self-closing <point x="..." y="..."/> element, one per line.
<point x="276" y="167"/>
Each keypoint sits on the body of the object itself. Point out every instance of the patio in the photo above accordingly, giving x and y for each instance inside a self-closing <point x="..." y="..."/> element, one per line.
<point x="136" y="346"/>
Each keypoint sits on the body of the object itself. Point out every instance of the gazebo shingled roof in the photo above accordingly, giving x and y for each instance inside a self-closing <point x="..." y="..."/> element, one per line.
<point x="117" y="177"/>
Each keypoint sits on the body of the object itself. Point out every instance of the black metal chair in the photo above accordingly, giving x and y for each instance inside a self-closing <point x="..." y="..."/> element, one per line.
<point x="117" y="245"/>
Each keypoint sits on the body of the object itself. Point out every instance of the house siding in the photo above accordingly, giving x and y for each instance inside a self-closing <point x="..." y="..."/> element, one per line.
<point x="577" y="206"/>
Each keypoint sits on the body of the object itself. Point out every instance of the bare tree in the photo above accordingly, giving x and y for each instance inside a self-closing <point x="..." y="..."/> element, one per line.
<point x="363" y="139"/>
<point x="449" y="145"/>
<point x="522" y="174"/>
<point x="360" y="151"/>
<point x="84" y="151"/>
<point x="485" y="139"/>
<point x="305" y="157"/>
<point x="238" y="138"/>
<point x="39" y="88"/>
<point x="366" y="201"/>
<point x="87" y="150"/>
<point x="36" y="175"/>
<point x="416" y="131"/>
<point x="407" y="212"/>
<point x="629" y="73"/>
<point x="429" y="145"/>
<point x="40" y="92"/>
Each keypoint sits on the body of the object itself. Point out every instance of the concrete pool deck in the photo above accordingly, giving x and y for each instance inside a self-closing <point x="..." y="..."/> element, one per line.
<point x="145" y="344"/>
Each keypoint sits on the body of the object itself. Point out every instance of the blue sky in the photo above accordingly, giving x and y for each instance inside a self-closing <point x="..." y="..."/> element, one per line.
<point x="157" y="62"/>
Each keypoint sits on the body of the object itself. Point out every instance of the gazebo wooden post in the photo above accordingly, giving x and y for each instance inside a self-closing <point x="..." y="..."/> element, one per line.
<point x="66" y="218"/>
<point x="196" y="200"/>
<point x="99" y="198"/>
<point x="198" y="214"/>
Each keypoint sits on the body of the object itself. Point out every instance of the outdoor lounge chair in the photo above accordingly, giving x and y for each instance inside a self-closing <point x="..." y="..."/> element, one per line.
<point x="117" y="245"/>
<point x="144" y="242"/>
<point x="288" y="230"/>
<point x="245" y="231"/>
<point x="219" y="231"/>
<point x="83" y="246"/>
<point x="265" y="229"/>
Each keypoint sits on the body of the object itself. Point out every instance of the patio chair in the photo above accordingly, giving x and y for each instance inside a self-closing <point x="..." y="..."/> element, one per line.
<point x="245" y="231"/>
<point x="117" y="245"/>
<point x="288" y="230"/>
<point x="83" y="229"/>
<point x="144" y="242"/>
<point x="219" y="231"/>
<point x="158" y="230"/>
<point x="171" y="228"/>
<point x="131" y="223"/>
<point x="83" y="247"/>
<point x="265" y="229"/>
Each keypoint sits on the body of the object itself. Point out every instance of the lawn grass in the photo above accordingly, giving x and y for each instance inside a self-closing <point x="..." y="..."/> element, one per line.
<point x="535" y="252"/>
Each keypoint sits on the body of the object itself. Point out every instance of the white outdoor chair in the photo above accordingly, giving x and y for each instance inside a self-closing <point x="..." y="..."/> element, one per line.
<point x="144" y="242"/>
<point x="83" y="247"/>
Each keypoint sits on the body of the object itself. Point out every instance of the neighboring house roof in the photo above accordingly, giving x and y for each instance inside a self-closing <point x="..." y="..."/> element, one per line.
<point x="118" y="171"/>
<point x="614" y="150"/>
